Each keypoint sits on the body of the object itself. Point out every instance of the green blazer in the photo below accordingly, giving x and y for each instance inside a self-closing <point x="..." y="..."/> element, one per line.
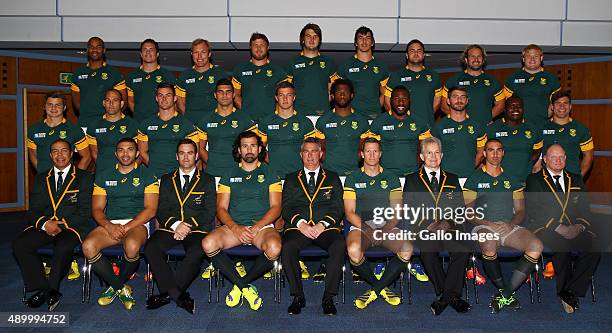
<point x="197" y="207"/>
<point x="72" y="204"/>
<point x="326" y="204"/>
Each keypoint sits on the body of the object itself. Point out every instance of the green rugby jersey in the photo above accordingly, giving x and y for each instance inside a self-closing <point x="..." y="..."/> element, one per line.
<point x="494" y="194"/>
<point x="459" y="143"/>
<point x="535" y="90"/>
<point x="483" y="90"/>
<point x="198" y="90"/>
<point x="163" y="136"/>
<point x="125" y="192"/>
<point x="143" y="87"/>
<point x="519" y="143"/>
<point x="220" y="133"/>
<point x="400" y="140"/>
<point x="41" y="136"/>
<point x="92" y="85"/>
<point x="342" y="135"/>
<point x="257" y="85"/>
<point x="284" y="138"/>
<point x="371" y="192"/>
<point x="573" y="136"/>
<point x="367" y="78"/>
<point x="105" y="134"/>
<point x="423" y="85"/>
<point x="249" y="192"/>
<point x="310" y="77"/>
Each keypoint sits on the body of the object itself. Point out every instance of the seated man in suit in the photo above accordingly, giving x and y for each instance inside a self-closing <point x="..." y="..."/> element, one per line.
<point x="501" y="195"/>
<point x="558" y="211"/>
<point x="248" y="203"/>
<point x="313" y="210"/>
<point x="186" y="213"/>
<point x="365" y="191"/>
<point x="433" y="187"/>
<point x="124" y="200"/>
<point x="59" y="214"/>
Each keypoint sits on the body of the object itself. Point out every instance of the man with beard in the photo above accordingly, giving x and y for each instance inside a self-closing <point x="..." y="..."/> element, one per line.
<point x="522" y="141"/>
<point x="400" y="132"/>
<point x="109" y="129"/>
<point x="55" y="126"/>
<point x="341" y="129"/>
<point x="90" y="83"/>
<point x="124" y="200"/>
<point x="248" y="204"/>
<point x="486" y="93"/>
<point x="534" y="85"/>
<point x="159" y="134"/>
<point x="312" y="73"/>
<point x="423" y="83"/>
<point x="195" y="87"/>
<point x="503" y="200"/>
<point x="254" y="81"/>
<point x="463" y="139"/>
<point x="368" y="75"/>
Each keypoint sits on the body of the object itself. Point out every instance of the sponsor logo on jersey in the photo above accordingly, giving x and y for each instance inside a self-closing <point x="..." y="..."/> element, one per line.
<point x="353" y="70"/>
<point x="484" y="185"/>
<point x="192" y="80"/>
<point x="211" y="125"/>
<point x="152" y="128"/>
<point x="302" y="65"/>
<point x="100" y="130"/>
<point x="406" y="79"/>
<point x="331" y="125"/>
<point x="83" y="77"/>
<point x="548" y="132"/>
<point x="273" y="127"/>
<point x="388" y="128"/>
<point x="519" y="80"/>
<point x="247" y="73"/>
<point x="236" y="180"/>
<point x="448" y="130"/>
<point x="39" y="135"/>
<point x="137" y="80"/>
<point x="110" y="183"/>
<point x="501" y="134"/>
<point x="465" y="83"/>
<point x="361" y="185"/>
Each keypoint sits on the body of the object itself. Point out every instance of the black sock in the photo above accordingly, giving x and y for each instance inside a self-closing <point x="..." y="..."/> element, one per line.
<point x="222" y="262"/>
<point x="364" y="270"/>
<point x="174" y="293"/>
<point x="392" y="272"/>
<point x="104" y="269"/>
<point x="262" y="265"/>
<point x="492" y="268"/>
<point x="523" y="269"/>
<point x="128" y="267"/>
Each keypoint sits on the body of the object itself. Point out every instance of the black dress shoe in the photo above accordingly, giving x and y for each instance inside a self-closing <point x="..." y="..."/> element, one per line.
<point x="53" y="299"/>
<point x="460" y="305"/>
<point x="328" y="307"/>
<point x="569" y="301"/>
<point x="438" y="306"/>
<point x="186" y="302"/>
<point x="157" y="301"/>
<point x="36" y="300"/>
<point x="299" y="302"/>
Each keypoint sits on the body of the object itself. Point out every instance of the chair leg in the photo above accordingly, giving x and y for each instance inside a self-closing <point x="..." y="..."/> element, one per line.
<point x="401" y="284"/>
<point x="593" y="289"/>
<point x="343" y="284"/>
<point x="537" y="278"/>
<point x="210" y="282"/>
<point x="474" y="282"/>
<point x="23" y="298"/>
<point x="409" y="283"/>
<point x="84" y="283"/>
<point x="531" y="288"/>
<point x="88" y="282"/>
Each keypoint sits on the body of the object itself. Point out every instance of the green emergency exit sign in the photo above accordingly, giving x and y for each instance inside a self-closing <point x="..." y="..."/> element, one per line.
<point x="65" y="78"/>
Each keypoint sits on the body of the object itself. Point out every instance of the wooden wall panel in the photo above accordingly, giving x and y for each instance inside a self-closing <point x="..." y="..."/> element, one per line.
<point x="8" y="76"/>
<point x="42" y="72"/>
<point x="8" y="177"/>
<point x="589" y="80"/>
<point x="598" y="119"/>
<point x="600" y="179"/>
<point x="8" y="115"/>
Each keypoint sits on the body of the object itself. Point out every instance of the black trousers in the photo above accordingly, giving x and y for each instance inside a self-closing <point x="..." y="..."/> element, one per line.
<point x="186" y="271"/>
<point x="331" y="241"/>
<point x="576" y="280"/>
<point x="450" y="283"/>
<point x="30" y="263"/>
